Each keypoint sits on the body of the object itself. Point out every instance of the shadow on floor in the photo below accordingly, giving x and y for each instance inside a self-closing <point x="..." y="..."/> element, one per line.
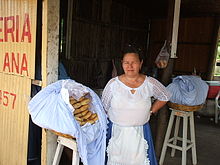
<point x="207" y="143"/>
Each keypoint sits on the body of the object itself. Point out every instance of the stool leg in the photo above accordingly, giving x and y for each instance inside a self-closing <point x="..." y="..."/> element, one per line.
<point x="184" y="143"/>
<point x="167" y="136"/>
<point x="75" y="158"/>
<point x="192" y="132"/>
<point x="216" y="114"/>
<point x="176" y="131"/>
<point x="58" y="154"/>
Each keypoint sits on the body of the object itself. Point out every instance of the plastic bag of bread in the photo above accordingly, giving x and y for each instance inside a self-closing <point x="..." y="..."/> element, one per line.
<point x="163" y="57"/>
<point x="79" y="99"/>
<point x="73" y="109"/>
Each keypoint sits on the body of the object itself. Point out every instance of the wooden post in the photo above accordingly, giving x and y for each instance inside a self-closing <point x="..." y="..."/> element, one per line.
<point x="69" y="29"/>
<point x="167" y="72"/>
<point x="50" y="47"/>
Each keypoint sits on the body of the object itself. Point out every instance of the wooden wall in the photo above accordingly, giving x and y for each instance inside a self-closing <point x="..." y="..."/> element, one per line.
<point x="195" y="44"/>
<point x="100" y="30"/>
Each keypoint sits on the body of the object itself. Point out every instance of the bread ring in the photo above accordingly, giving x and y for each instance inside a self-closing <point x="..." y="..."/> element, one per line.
<point x="82" y="123"/>
<point x="159" y="64"/>
<point x="164" y="63"/>
<point x="84" y="112"/>
<point x="84" y="107"/>
<point x="87" y="115"/>
<point x="93" y="116"/>
<point x="78" y="115"/>
<point x="92" y="121"/>
<point x="81" y="109"/>
<point x="85" y="101"/>
<point x="71" y="98"/>
<point x="81" y="98"/>
<point x="77" y="111"/>
<point x="78" y="119"/>
<point x="76" y="105"/>
<point x="73" y="101"/>
<point x="95" y="119"/>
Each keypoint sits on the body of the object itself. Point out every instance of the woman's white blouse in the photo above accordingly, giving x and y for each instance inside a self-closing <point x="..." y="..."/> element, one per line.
<point x="127" y="109"/>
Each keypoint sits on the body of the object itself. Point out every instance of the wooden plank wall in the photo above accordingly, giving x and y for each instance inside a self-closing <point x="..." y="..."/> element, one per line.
<point x="100" y="29"/>
<point x="99" y="33"/>
<point x="194" y="44"/>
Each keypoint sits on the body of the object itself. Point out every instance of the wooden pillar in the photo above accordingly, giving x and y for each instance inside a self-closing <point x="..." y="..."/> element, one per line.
<point x="171" y="37"/>
<point x="69" y="28"/>
<point x="50" y="47"/>
<point x="213" y="51"/>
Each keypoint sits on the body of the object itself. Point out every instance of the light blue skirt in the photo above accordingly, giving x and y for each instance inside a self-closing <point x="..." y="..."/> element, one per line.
<point x="147" y="137"/>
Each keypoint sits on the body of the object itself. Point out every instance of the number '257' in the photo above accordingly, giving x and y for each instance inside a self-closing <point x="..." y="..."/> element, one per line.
<point x="7" y="98"/>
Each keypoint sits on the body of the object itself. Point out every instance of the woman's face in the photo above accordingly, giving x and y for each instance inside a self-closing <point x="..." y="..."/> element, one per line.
<point x="131" y="64"/>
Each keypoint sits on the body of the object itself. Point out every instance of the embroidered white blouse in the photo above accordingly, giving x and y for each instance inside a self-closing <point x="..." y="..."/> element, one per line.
<point x="131" y="109"/>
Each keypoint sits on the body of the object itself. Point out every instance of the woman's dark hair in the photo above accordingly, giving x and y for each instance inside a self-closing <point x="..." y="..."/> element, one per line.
<point x="131" y="48"/>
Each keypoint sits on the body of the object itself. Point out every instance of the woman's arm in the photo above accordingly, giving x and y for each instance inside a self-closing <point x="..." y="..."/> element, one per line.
<point x="107" y="95"/>
<point x="160" y="93"/>
<point x="157" y="105"/>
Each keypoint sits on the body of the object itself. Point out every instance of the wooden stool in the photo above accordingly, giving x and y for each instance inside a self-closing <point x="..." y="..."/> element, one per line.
<point x="172" y="142"/>
<point x="70" y="143"/>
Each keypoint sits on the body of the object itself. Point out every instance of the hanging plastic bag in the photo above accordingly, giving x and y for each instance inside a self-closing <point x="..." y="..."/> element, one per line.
<point x="163" y="57"/>
<point x="114" y="70"/>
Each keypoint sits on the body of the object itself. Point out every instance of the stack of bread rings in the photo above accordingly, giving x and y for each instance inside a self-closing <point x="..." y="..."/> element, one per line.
<point x="82" y="113"/>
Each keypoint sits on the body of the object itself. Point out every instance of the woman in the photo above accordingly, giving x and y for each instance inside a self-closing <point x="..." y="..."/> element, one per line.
<point x="127" y="101"/>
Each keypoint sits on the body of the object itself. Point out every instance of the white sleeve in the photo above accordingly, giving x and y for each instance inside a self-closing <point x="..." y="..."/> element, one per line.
<point x="159" y="90"/>
<point x="107" y="95"/>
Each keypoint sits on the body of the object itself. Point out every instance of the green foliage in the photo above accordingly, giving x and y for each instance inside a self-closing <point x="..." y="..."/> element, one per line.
<point x="217" y="71"/>
<point x="218" y="52"/>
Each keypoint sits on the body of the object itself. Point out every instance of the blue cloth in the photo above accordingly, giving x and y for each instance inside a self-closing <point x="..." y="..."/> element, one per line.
<point x="49" y="110"/>
<point x="34" y="134"/>
<point x="62" y="74"/>
<point x="188" y="90"/>
<point x="147" y="137"/>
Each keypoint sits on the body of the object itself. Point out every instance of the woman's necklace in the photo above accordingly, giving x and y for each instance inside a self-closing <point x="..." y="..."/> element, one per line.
<point x="133" y="82"/>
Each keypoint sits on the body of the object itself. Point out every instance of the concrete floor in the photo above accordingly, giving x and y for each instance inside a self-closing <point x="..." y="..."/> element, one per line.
<point x="207" y="140"/>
